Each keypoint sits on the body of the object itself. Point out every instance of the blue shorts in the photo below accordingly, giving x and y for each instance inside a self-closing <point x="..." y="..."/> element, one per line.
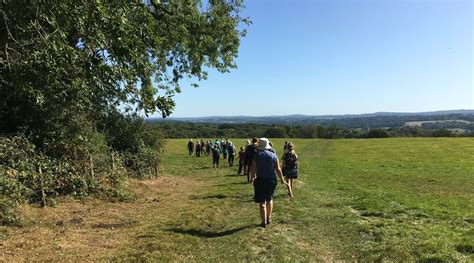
<point x="264" y="189"/>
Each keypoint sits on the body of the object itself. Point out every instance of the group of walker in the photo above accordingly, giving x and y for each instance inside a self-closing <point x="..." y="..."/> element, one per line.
<point x="260" y="163"/>
<point x="215" y="149"/>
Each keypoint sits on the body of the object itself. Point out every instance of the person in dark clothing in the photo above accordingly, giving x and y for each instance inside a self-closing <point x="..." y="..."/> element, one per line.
<point x="241" y="160"/>
<point x="285" y="147"/>
<point x="271" y="147"/>
<point x="191" y="147"/>
<point x="245" y="161"/>
<point x="264" y="170"/>
<point x="231" y="150"/>
<point x="203" y="147"/>
<point x="208" y="148"/>
<point x="216" y="154"/>
<point x="225" y="149"/>
<point x="198" y="149"/>
<point x="290" y="166"/>
<point x="249" y="152"/>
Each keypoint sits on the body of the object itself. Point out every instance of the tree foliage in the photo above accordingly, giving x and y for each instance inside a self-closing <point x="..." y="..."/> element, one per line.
<point x="60" y="59"/>
<point x="76" y="75"/>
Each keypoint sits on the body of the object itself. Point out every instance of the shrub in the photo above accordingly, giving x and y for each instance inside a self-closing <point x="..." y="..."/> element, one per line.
<point x="138" y="143"/>
<point x="442" y="133"/>
<point x="12" y="193"/>
<point x="29" y="175"/>
<point x="377" y="133"/>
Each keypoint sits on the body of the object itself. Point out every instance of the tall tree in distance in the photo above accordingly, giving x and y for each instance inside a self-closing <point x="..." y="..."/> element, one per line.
<point x="66" y="63"/>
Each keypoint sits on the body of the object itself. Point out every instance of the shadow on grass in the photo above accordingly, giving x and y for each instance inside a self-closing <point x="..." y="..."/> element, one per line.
<point x="235" y="183"/>
<point x="203" y="168"/>
<point x="241" y="198"/>
<point x="219" y="196"/>
<point x="208" y="234"/>
<point x="289" y="222"/>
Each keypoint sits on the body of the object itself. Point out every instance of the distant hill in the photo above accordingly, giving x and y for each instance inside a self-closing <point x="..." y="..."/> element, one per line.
<point x="372" y="120"/>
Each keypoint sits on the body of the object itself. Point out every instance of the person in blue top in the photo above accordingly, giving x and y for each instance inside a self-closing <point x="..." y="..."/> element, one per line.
<point x="264" y="170"/>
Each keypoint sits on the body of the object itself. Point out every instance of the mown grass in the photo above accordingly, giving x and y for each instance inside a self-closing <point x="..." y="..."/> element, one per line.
<point x="356" y="200"/>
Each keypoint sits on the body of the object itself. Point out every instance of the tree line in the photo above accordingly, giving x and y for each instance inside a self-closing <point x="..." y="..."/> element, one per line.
<point x="249" y="130"/>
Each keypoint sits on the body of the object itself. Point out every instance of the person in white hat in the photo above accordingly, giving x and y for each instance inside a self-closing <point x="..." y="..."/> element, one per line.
<point x="264" y="170"/>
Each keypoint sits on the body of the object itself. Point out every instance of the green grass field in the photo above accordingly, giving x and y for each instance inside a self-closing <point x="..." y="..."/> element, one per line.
<point x="385" y="200"/>
<point x="367" y="200"/>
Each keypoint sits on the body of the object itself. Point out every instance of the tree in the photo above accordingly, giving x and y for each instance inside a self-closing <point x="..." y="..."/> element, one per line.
<point x="64" y="59"/>
<point x="275" y="132"/>
<point x="377" y="133"/>
<point x="442" y="133"/>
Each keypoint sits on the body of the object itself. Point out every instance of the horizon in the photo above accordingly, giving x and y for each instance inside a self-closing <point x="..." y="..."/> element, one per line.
<point x="334" y="57"/>
<point x="310" y="115"/>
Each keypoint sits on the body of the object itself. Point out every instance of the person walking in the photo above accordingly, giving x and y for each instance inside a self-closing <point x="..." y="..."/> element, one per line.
<point x="216" y="154"/>
<point x="264" y="170"/>
<point x="198" y="149"/>
<point x="191" y="147"/>
<point x="224" y="149"/>
<point x="249" y="152"/>
<point x="245" y="161"/>
<point x="241" y="161"/>
<point x="272" y="148"/>
<point x="231" y="149"/>
<point x="290" y="166"/>
<point x="285" y="147"/>
<point x="208" y="148"/>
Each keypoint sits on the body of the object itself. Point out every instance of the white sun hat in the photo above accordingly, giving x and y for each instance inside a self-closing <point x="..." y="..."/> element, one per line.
<point x="263" y="144"/>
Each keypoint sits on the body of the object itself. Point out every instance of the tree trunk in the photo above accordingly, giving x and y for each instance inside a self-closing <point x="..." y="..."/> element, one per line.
<point x="91" y="167"/>
<point x="43" y="195"/>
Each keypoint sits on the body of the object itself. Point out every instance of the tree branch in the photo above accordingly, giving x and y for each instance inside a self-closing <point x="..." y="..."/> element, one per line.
<point x="157" y="7"/>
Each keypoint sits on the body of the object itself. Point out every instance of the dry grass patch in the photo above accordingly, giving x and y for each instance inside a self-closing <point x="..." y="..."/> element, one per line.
<point x="86" y="230"/>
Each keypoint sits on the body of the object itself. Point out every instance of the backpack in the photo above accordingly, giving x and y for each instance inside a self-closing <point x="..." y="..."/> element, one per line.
<point x="216" y="149"/>
<point x="249" y="153"/>
<point x="290" y="160"/>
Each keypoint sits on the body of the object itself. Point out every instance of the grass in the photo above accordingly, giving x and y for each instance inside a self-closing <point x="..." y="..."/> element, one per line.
<point x="356" y="200"/>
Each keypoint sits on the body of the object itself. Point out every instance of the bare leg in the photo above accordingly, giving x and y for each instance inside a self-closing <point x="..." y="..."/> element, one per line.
<point x="269" y="207"/>
<point x="263" y="213"/>
<point x="290" y="182"/>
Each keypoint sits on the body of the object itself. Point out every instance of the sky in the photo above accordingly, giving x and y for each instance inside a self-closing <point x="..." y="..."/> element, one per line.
<point x="343" y="57"/>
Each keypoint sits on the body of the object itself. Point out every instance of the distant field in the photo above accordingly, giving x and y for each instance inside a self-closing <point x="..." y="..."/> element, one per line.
<point x="420" y="123"/>
<point x="407" y="199"/>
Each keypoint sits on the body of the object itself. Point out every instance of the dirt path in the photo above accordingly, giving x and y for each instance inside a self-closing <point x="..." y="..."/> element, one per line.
<point x="92" y="229"/>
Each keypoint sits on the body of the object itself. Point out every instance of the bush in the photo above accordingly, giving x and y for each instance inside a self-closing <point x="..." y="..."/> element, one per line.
<point x="27" y="175"/>
<point x="442" y="133"/>
<point x="12" y="193"/>
<point x="377" y="133"/>
<point x="138" y="143"/>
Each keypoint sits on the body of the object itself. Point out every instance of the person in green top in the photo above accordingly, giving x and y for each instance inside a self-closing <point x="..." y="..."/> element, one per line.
<point x="225" y="148"/>
<point x="216" y="153"/>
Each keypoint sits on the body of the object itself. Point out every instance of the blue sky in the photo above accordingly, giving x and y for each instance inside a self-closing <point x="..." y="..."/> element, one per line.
<point x="338" y="57"/>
